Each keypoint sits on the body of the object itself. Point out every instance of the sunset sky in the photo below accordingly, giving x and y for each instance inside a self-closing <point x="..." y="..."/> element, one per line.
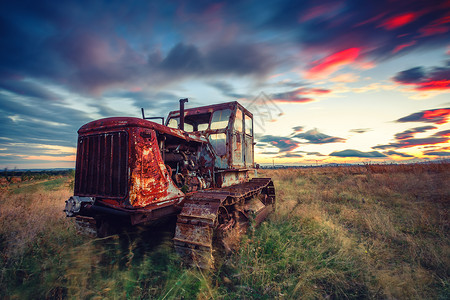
<point x="328" y="81"/>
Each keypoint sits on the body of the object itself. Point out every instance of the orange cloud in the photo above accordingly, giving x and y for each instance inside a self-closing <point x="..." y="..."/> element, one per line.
<point x="70" y="158"/>
<point x="332" y="63"/>
<point x="347" y="77"/>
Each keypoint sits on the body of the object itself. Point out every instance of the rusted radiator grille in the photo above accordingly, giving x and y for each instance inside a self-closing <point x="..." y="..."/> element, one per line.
<point x="102" y="163"/>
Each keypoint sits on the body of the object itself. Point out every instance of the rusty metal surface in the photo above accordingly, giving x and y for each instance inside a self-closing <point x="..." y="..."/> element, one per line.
<point x="121" y="123"/>
<point x="238" y="145"/>
<point x="125" y="164"/>
<point x="150" y="181"/>
<point x="146" y="169"/>
<point x="200" y="217"/>
<point x="232" y="177"/>
<point x="101" y="166"/>
<point x="209" y="108"/>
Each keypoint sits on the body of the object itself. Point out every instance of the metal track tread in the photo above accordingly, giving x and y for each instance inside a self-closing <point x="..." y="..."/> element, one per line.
<point x="199" y="218"/>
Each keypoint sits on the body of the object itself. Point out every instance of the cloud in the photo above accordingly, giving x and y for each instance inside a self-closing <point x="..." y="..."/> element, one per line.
<point x="436" y="27"/>
<point x="376" y="29"/>
<point x="392" y="152"/>
<point x="315" y="153"/>
<point x="227" y="89"/>
<point x="436" y="116"/>
<point x="399" y="20"/>
<point x="300" y="95"/>
<point x="236" y="59"/>
<point x="269" y="152"/>
<point x="290" y="155"/>
<point x="422" y="79"/>
<point x="291" y="97"/>
<point x="92" y="56"/>
<point x="332" y="63"/>
<point x="407" y="134"/>
<point x="70" y="158"/>
<point x="346" y="77"/>
<point x="437" y="153"/>
<point x="117" y="46"/>
<point x="413" y="142"/>
<point x="357" y="153"/>
<point x="55" y="56"/>
<point x="360" y="130"/>
<point x="289" y="83"/>
<point x="33" y="118"/>
<point x="444" y="133"/>
<point x="282" y="143"/>
<point x="28" y="89"/>
<point x="403" y="46"/>
<point x="313" y="136"/>
<point x="298" y="128"/>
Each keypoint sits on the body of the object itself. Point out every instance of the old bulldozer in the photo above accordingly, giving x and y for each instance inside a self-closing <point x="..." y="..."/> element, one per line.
<point x="132" y="171"/>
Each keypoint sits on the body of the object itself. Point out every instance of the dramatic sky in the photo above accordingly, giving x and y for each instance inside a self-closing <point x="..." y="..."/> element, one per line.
<point x="328" y="81"/>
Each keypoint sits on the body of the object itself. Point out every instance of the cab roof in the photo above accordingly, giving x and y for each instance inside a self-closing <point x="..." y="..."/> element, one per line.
<point x="209" y="109"/>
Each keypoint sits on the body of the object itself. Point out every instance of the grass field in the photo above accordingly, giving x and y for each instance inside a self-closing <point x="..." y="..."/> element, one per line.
<point x="370" y="231"/>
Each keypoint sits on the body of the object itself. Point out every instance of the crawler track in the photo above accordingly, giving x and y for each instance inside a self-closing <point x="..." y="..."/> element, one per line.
<point x="212" y="213"/>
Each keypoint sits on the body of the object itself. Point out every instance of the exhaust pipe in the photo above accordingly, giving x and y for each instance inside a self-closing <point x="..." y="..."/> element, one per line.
<point x="182" y="101"/>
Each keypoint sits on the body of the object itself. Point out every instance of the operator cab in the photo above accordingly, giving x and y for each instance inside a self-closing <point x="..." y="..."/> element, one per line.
<point x="228" y="127"/>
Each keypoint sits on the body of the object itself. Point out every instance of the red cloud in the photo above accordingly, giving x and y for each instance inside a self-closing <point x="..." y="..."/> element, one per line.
<point x="436" y="78"/>
<point x="402" y="46"/>
<point x="432" y="30"/>
<point x="436" y="27"/>
<point x="333" y="62"/>
<point x="434" y="85"/>
<point x="437" y="114"/>
<point x="399" y="20"/>
<point x="318" y="91"/>
<point x="320" y="11"/>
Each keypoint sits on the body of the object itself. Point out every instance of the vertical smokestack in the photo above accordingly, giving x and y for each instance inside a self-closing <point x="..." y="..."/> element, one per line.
<point x="182" y="101"/>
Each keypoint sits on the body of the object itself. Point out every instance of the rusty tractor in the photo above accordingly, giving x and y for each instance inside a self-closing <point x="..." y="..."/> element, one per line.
<point x="132" y="171"/>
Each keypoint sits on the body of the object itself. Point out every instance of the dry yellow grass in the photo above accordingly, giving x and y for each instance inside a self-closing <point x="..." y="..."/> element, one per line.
<point x="25" y="216"/>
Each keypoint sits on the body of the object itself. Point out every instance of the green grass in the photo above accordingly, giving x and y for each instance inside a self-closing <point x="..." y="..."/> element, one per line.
<point x="337" y="233"/>
<point x="297" y="257"/>
<point x="33" y="187"/>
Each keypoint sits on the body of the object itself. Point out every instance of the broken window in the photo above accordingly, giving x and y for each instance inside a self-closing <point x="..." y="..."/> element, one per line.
<point x="174" y="123"/>
<point x="199" y="122"/>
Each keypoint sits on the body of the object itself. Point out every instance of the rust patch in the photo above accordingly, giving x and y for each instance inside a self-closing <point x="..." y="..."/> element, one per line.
<point x="150" y="180"/>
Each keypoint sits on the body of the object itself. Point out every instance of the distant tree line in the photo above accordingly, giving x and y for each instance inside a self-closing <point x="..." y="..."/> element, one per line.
<point x="35" y="175"/>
